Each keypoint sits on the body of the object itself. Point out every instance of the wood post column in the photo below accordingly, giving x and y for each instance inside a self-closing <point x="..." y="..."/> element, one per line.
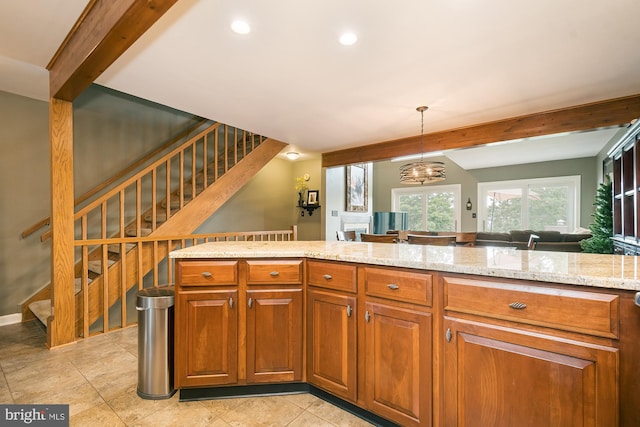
<point x="61" y="325"/>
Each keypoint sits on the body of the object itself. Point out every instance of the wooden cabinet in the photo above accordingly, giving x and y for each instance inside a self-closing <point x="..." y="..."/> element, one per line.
<point x="238" y="322"/>
<point x="332" y="328"/>
<point x="626" y="192"/>
<point x="332" y="340"/>
<point x="502" y="369"/>
<point x="398" y="349"/>
<point x="206" y="338"/>
<point x="274" y="335"/>
<point x="398" y="363"/>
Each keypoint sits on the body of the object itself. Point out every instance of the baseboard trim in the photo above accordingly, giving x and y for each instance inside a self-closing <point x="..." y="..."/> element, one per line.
<point x="10" y="319"/>
<point x="208" y="393"/>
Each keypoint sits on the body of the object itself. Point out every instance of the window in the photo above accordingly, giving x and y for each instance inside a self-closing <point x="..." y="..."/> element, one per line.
<point x="432" y="208"/>
<point x="532" y="204"/>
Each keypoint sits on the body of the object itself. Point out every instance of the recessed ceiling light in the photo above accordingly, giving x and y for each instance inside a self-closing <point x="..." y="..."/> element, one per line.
<point x="240" y="27"/>
<point x="347" y="39"/>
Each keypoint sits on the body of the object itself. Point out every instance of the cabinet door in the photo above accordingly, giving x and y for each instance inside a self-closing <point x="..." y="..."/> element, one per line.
<point x="331" y="342"/>
<point x="503" y="377"/>
<point x="206" y="338"/>
<point x="274" y="335"/>
<point x="398" y="347"/>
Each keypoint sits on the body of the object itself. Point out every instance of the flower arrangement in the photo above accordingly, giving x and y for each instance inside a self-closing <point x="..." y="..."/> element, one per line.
<point x="301" y="186"/>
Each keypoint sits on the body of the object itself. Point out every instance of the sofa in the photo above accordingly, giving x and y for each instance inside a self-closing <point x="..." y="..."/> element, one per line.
<point x="547" y="241"/>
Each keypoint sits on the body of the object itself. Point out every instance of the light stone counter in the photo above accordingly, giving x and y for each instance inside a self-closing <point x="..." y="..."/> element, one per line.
<point x="605" y="271"/>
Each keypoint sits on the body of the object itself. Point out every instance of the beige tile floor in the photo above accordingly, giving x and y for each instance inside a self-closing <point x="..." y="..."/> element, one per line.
<point x="98" y="379"/>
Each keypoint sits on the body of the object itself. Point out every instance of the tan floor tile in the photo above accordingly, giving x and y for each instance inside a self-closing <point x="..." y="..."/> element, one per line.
<point x="191" y="414"/>
<point x="303" y="400"/>
<point x="218" y="407"/>
<point x="131" y="408"/>
<point x="262" y="411"/>
<point x="307" y="419"/>
<point x="100" y="415"/>
<point x="335" y="415"/>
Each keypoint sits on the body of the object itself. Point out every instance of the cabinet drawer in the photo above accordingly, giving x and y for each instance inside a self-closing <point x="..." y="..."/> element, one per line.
<point x="208" y="273"/>
<point x="585" y="312"/>
<point x="332" y="275"/>
<point x="400" y="285"/>
<point x="274" y="271"/>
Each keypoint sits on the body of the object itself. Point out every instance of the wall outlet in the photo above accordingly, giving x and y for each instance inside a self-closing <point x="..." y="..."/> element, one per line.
<point x="334" y="213"/>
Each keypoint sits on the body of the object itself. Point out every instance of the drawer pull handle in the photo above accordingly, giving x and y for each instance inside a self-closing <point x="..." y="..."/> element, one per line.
<point x="250" y="302"/>
<point x="518" y="305"/>
<point x="349" y="310"/>
<point x="327" y="277"/>
<point x="274" y="274"/>
<point x="393" y="286"/>
<point x="448" y="335"/>
<point x="206" y="274"/>
<point x="367" y="316"/>
<point x="230" y="302"/>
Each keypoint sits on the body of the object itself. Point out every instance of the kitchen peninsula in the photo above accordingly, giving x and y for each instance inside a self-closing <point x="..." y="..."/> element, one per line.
<point x="418" y="335"/>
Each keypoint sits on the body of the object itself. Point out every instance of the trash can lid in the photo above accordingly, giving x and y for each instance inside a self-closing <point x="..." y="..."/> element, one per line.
<point x="160" y="297"/>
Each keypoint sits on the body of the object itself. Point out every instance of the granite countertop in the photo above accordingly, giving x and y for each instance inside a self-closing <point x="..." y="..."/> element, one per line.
<point x="605" y="271"/>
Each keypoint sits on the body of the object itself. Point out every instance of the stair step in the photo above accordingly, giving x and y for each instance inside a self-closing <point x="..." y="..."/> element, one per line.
<point x="42" y="310"/>
<point x="175" y="203"/>
<point x="161" y="216"/>
<point x="96" y="266"/>
<point x="78" y="284"/>
<point x="115" y="248"/>
<point x="131" y="231"/>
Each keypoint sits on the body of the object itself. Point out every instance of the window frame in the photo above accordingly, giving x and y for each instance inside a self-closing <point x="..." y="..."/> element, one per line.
<point x="573" y="181"/>
<point x="456" y="189"/>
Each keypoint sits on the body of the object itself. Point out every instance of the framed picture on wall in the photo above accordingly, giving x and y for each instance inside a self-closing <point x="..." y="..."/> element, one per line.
<point x="312" y="197"/>
<point x="357" y="188"/>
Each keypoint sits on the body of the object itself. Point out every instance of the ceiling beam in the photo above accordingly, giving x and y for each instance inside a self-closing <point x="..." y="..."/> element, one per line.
<point x="105" y="30"/>
<point x="612" y="112"/>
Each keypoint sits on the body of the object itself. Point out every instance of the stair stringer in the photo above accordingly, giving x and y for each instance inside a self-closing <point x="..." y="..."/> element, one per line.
<point x="184" y="222"/>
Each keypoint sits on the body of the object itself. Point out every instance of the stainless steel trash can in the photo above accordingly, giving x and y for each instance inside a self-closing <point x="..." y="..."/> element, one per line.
<point x="155" y="342"/>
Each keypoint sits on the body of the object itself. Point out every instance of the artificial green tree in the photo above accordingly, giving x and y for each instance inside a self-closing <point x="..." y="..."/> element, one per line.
<point x="602" y="228"/>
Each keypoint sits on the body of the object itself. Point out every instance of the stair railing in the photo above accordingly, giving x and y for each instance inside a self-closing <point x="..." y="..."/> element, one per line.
<point x="120" y="175"/>
<point x="171" y="181"/>
<point x="142" y="254"/>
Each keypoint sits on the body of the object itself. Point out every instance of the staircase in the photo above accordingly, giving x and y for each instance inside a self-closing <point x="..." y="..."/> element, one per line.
<point x="123" y="236"/>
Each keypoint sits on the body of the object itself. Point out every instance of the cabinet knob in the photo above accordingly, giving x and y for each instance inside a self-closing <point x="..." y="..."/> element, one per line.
<point x="327" y="277"/>
<point x="393" y="286"/>
<point x="518" y="305"/>
<point x="448" y="335"/>
<point x="231" y="302"/>
<point x="206" y="274"/>
<point x="250" y="302"/>
<point x="274" y="273"/>
<point x="349" y="310"/>
<point x="367" y="316"/>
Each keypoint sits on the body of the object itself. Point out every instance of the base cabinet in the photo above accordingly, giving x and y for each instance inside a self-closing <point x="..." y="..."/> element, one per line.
<point x="504" y="377"/>
<point x="398" y="363"/>
<point x="331" y="342"/>
<point x="206" y="339"/>
<point x="274" y="335"/>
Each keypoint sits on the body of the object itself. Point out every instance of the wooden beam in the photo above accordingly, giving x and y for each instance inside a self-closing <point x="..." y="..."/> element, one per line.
<point x="105" y="30"/>
<point x="582" y="117"/>
<point x="60" y="328"/>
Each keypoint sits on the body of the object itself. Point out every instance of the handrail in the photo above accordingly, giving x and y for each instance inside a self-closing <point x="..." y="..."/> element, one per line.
<point x="46" y="221"/>
<point x="165" y="160"/>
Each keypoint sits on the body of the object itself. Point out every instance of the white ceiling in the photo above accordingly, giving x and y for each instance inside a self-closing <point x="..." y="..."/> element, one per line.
<point x="471" y="62"/>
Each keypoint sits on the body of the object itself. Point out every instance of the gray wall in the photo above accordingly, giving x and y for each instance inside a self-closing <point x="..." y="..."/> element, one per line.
<point x="386" y="177"/>
<point x="111" y="130"/>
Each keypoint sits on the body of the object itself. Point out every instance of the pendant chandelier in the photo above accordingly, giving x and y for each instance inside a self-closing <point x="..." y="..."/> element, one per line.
<point x="420" y="172"/>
